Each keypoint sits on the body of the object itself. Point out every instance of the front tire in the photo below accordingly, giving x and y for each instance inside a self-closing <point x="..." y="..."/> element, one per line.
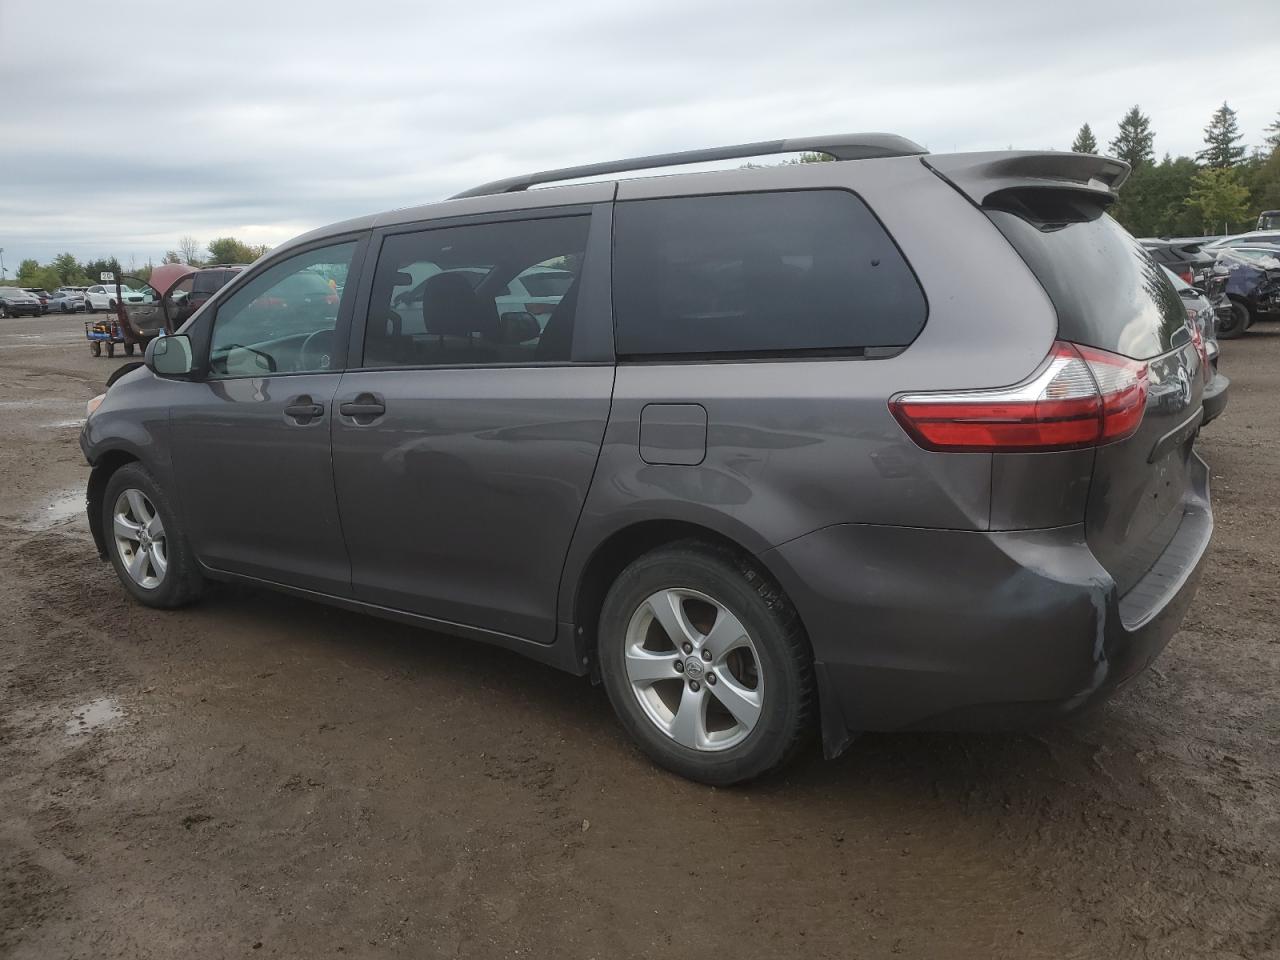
<point x="706" y="664"/>
<point x="147" y="547"/>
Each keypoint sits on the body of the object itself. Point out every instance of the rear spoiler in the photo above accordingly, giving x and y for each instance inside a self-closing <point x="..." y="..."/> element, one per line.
<point x="979" y="176"/>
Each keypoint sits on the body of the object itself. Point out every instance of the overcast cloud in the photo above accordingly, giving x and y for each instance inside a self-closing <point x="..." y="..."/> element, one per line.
<point x="125" y="126"/>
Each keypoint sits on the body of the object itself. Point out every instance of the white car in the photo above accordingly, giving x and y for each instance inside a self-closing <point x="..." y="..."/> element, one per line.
<point x="102" y="296"/>
<point x="536" y="291"/>
<point x="1246" y="240"/>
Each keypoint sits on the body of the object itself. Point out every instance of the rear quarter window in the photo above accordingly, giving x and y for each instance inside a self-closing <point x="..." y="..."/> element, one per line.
<point x="774" y="273"/>
<point x="1107" y="290"/>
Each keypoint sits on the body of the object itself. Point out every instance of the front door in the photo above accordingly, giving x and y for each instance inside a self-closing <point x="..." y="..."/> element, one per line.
<point x="251" y="439"/>
<point x="465" y="443"/>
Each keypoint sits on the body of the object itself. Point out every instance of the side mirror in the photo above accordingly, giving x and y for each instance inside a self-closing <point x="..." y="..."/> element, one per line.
<point x="518" y="326"/>
<point x="169" y="356"/>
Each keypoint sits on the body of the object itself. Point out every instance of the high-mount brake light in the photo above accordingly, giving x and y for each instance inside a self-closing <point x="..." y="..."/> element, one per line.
<point x="1079" y="397"/>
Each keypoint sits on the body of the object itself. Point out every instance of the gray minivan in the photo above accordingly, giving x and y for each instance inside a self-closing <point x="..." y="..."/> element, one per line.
<point x="896" y="441"/>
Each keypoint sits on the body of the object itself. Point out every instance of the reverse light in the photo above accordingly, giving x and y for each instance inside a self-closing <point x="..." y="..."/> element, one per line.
<point x="1079" y="397"/>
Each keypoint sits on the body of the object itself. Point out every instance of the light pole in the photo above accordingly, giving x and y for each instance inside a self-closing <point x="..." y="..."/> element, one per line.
<point x="1" y="263"/>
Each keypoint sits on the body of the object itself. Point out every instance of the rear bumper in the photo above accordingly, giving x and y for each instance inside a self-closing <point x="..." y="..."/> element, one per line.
<point x="950" y="629"/>
<point x="1215" y="397"/>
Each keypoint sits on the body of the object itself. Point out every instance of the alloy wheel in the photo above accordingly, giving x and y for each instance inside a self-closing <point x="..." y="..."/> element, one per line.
<point x="140" y="538"/>
<point x="694" y="669"/>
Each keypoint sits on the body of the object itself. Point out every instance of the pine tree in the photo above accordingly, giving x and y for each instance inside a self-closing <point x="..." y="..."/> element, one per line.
<point x="1085" y="141"/>
<point x="1134" y="140"/>
<point x="1222" y="140"/>
<point x="1218" y="197"/>
<point x="1271" y="135"/>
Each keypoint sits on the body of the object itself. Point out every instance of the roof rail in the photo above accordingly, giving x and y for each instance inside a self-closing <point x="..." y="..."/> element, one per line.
<point x="849" y="146"/>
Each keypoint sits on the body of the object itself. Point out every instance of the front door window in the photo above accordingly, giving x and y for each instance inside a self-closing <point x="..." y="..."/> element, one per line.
<point x="283" y="320"/>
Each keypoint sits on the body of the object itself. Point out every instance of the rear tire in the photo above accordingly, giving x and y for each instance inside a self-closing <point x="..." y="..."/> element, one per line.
<point x="158" y="569"/>
<point x="128" y="349"/>
<point x="741" y="666"/>
<point x="4" y="312"/>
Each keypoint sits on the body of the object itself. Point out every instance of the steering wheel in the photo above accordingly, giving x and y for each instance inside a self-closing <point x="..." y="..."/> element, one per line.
<point x="317" y="351"/>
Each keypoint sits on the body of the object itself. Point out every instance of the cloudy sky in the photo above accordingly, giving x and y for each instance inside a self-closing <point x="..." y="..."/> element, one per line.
<point x="125" y="126"/>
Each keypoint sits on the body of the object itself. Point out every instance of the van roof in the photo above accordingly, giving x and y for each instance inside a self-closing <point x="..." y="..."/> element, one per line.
<point x="977" y="175"/>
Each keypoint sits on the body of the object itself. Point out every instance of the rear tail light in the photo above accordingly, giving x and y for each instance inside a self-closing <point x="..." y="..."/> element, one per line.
<point x="1187" y="276"/>
<point x="1202" y="351"/>
<point x="1079" y="397"/>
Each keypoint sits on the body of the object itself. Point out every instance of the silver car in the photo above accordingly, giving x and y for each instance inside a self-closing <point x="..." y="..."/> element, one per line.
<point x="896" y="441"/>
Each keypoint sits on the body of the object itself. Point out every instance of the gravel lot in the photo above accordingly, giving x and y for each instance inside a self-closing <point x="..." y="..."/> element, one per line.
<point x="260" y="776"/>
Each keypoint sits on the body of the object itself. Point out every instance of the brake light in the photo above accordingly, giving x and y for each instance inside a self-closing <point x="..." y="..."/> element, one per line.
<point x="1079" y="397"/>
<point x="1202" y="350"/>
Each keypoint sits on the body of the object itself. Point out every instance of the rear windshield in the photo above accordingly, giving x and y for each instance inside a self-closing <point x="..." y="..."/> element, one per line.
<point x="1108" y="291"/>
<point x="799" y="272"/>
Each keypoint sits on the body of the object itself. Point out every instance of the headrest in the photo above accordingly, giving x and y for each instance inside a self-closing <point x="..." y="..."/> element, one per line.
<point x="451" y="308"/>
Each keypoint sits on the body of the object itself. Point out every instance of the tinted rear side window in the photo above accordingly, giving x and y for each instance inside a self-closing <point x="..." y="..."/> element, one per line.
<point x="1108" y="291"/>
<point x="760" y="273"/>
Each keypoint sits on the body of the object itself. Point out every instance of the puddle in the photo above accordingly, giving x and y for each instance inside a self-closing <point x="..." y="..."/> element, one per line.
<point x="65" y="508"/>
<point x="90" y="716"/>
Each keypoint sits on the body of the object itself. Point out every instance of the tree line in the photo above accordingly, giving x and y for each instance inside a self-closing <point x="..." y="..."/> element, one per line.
<point x="1220" y="190"/>
<point x="65" y="270"/>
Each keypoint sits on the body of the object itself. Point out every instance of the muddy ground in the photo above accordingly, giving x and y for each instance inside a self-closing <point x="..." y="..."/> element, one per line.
<point x="259" y="776"/>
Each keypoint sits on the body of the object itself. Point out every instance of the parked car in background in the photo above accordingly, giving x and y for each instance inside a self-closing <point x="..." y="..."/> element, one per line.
<point x="1252" y="285"/>
<point x="747" y="501"/>
<point x="68" y="300"/>
<point x="42" y="295"/>
<point x="1268" y="220"/>
<point x="16" y="302"/>
<point x="102" y="296"/>
<point x="1203" y="315"/>
<point x="189" y="293"/>
<point x="1257" y="238"/>
<point x="1185" y="257"/>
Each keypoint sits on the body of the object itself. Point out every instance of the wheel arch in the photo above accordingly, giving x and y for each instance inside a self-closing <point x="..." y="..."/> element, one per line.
<point x="617" y="550"/>
<point x="103" y="469"/>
